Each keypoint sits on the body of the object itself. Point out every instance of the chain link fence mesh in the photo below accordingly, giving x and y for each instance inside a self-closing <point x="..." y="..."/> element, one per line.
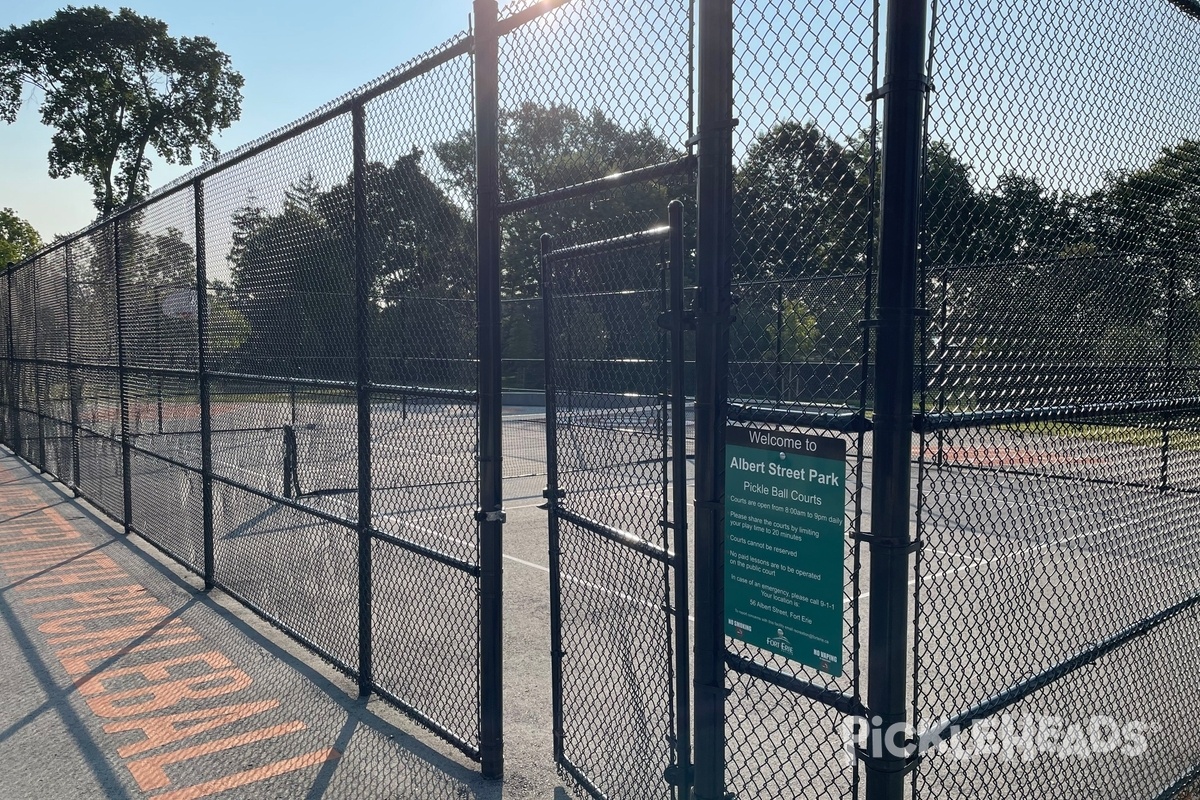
<point x="1058" y="471"/>
<point x="1058" y="447"/>
<point x="103" y="385"/>
<point x="616" y="649"/>
<point x="804" y="186"/>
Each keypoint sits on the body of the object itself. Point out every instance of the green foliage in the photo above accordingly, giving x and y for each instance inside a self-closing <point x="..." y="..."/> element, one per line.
<point x="18" y="239"/>
<point x="802" y="205"/>
<point x="797" y="336"/>
<point x="113" y="87"/>
<point x="546" y="147"/>
<point x="293" y="276"/>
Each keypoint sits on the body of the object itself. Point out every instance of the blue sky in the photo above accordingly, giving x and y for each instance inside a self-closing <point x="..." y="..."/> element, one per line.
<point x="294" y="56"/>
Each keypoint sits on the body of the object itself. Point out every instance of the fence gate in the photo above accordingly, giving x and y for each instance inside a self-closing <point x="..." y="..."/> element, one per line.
<point x="616" y="437"/>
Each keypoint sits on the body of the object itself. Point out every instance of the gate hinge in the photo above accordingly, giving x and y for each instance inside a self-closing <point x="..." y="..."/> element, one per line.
<point x="908" y="546"/>
<point x="491" y="516"/>
<point x="552" y="497"/>
<point x="675" y="772"/>
<point x="921" y="83"/>
<point x="666" y="320"/>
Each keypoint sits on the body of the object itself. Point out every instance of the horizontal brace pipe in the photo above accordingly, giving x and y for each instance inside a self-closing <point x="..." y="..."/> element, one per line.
<point x="582" y="779"/>
<point x="844" y="421"/>
<point x="44" y="416"/>
<point x="1056" y="261"/>
<point x="166" y="459"/>
<point x="97" y="434"/>
<point x="525" y="16"/>
<point x="284" y="380"/>
<point x="821" y="277"/>
<point x="1158" y="487"/>
<point x="442" y="731"/>
<point x="428" y="552"/>
<point x="461" y="395"/>
<point x="926" y="423"/>
<point x="257" y="429"/>
<point x="679" y="166"/>
<point x="47" y="362"/>
<point x="839" y="701"/>
<point x="332" y="519"/>
<point x="393" y="487"/>
<point x="616" y="244"/>
<point x="618" y="536"/>
<point x="994" y="705"/>
<point x="160" y="372"/>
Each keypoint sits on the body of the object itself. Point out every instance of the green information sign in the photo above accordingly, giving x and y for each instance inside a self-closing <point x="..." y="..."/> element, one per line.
<point x="784" y="544"/>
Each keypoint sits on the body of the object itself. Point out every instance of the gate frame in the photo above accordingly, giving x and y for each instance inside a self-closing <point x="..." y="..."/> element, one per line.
<point x="675" y="319"/>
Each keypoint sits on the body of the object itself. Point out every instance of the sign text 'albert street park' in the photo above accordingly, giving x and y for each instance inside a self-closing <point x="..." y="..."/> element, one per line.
<point x="784" y="534"/>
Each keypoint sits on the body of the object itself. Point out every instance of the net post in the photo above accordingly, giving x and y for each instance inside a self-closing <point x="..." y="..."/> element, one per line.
<point x="899" y="232"/>
<point x="714" y="254"/>
<point x="363" y="396"/>
<point x="122" y="388"/>
<point x="491" y="491"/>
<point x="202" y="325"/>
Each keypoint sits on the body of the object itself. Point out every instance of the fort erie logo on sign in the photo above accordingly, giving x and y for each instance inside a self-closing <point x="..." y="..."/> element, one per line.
<point x="784" y="544"/>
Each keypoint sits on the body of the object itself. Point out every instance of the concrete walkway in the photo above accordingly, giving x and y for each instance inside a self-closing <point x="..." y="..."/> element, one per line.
<point x="122" y="679"/>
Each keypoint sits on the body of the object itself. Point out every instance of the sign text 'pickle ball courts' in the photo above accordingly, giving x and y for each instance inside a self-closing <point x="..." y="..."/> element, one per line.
<point x="784" y="533"/>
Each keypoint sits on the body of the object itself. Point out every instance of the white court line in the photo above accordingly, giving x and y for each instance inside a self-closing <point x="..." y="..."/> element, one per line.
<point x="1019" y="554"/>
<point x="545" y="569"/>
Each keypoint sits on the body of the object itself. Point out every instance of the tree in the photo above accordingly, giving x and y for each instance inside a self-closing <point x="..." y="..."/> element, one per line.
<point x="802" y="205"/>
<point x="18" y="239"/>
<point x="546" y="147"/>
<point x="293" y="277"/>
<point x="113" y="87"/>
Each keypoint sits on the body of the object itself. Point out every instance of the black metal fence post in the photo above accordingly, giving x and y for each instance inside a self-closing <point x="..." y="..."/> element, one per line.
<point x="552" y="494"/>
<point x="903" y="94"/>
<point x="202" y="325"/>
<point x="14" y="416"/>
<point x="73" y="391"/>
<point x="679" y="525"/>
<point x="39" y="368"/>
<point x="363" y="392"/>
<point x="714" y="252"/>
<point x="491" y="490"/>
<point x="122" y="388"/>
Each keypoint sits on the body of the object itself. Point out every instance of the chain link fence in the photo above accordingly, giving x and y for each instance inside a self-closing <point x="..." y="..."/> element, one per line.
<point x="200" y="368"/>
<point x="286" y="369"/>
<point x="1058" y="575"/>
